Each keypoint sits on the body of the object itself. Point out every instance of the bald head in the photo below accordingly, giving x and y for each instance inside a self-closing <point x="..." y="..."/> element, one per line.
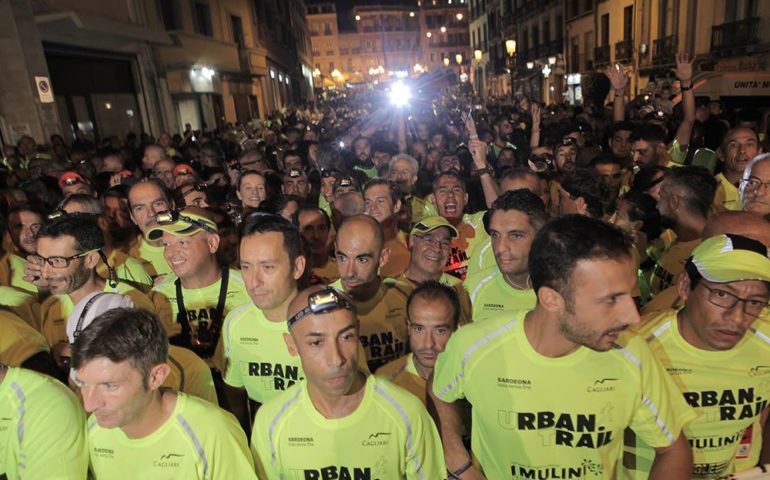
<point x="739" y="223"/>
<point x="350" y="204"/>
<point x="362" y="227"/>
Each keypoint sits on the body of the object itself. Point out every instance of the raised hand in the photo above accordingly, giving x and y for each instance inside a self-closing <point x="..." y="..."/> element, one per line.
<point x="618" y="77"/>
<point x="535" y="113"/>
<point x="478" y="151"/>
<point x="683" y="70"/>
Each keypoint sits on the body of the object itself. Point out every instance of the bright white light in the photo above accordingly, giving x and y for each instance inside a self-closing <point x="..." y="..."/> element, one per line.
<point x="399" y="94"/>
<point x="207" y="72"/>
<point x="411" y="14"/>
<point x="428" y="34"/>
<point x="443" y="29"/>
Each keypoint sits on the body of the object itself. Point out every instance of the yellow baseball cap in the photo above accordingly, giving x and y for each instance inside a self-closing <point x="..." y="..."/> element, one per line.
<point x="731" y="258"/>
<point x="182" y="223"/>
<point x="431" y="223"/>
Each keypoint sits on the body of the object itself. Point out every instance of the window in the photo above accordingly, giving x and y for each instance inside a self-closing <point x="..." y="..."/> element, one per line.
<point x="628" y="22"/>
<point x="605" y="32"/>
<point x="546" y="31"/>
<point x="669" y="10"/>
<point x="202" y="18"/>
<point x="237" y="27"/>
<point x="169" y="11"/>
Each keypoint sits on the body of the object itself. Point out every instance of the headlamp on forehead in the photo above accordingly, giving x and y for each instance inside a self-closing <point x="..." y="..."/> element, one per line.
<point x="323" y="301"/>
<point x="166" y="218"/>
<point x="71" y="181"/>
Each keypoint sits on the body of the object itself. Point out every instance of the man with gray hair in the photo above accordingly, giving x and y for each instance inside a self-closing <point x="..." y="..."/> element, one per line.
<point x="403" y="172"/>
<point x="755" y="186"/>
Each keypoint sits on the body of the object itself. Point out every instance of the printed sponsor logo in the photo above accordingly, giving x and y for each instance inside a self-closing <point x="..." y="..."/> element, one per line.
<point x="249" y="340"/>
<point x="568" y="429"/>
<point x="301" y="441"/>
<point x="378" y="439"/>
<point x="587" y="469"/>
<point x="731" y="404"/>
<point x="103" y="452"/>
<point x="518" y="383"/>
<point x="759" y="370"/>
<point x="602" y="385"/>
<point x="168" y="460"/>
<point x="341" y="472"/>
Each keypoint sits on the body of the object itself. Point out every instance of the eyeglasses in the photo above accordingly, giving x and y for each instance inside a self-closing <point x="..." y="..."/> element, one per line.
<point x="323" y="301"/>
<point x="726" y="300"/>
<point x="172" y="216"/>
<point x="445" y="244"/>
<point x="754" y="184"/>
<point x="58" y="262"/>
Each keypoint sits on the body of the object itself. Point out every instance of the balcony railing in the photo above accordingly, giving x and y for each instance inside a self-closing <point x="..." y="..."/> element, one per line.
<point x="624" y="50"/>
<point x="735" y="34"/>
<point x="602" y="55"/>
<point x="664" y="50"/>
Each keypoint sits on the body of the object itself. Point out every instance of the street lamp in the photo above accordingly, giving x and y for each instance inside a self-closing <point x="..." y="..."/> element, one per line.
<point x="477" y="55"/>
<point x="459" y="16"/>
<point x="428" y="34"/>
<point x="510" y="47"/>
<point x="459" y="59"/>
<point x="443" y="29"/>
<point x="446" y="61"/>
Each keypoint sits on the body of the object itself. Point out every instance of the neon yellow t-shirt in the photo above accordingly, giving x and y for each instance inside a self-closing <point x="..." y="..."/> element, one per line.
<point x="16" y="264"/>
<point x="190" y="374"/>
<point x="671" y="264"/>
<point x="198" y="441"/>
<point x="389" y="436"/>
<point x="152" y="255"/>
<point x="481" y="259"/>
<point x="491" y="295"/>
<point x="128" y="270"/>
<point x="728" y="389"/>
<point x="42" y="432"/>
<point x="422" y="208"/>
<point x="18" y="340"/>
<point x="256" y="356"/>
<point x="382" y="323"/>
<point x="22" y="304"/>
<point x="539" y="417"/>
<point x="728" y="193"/>
<point x="403" y="373"/>
<point x="55" y="310"/>
<point x="201" y="305"/>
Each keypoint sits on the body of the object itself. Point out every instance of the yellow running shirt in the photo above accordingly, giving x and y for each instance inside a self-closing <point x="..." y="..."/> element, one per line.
<point x="55" y="310"/>
<point x="539" y="417"/>
<point x="200" y="303"/>
<point x="256" y="355"/>
<point x="382" y="323"/>
<point x="198" y="441"/>
<point x="728" y="193"/>
<point x="491" y="295"/>
<point x="671" y="264"/>
<point x="156" y="263"/>
<point x="22" y="304"/>
<point x="481" y="258"/>
<point x="730" y="390"/>
<point x="18" y="341"/>
<point x="128" y="270"/>
<point x="42" y="434"/>
<point x="190" y="374"/>
<point x="16" y="264"/>
<point x="403" y="373"/>
<point x="389" y="436"/>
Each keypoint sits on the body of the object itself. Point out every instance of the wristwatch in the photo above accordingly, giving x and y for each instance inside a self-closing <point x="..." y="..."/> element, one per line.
<point x="481" y="171"/>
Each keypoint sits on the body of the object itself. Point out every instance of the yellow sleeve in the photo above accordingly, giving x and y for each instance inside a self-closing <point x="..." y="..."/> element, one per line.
<point x="260" y="446"/>
<point x="18" y="341"/>
<point x="161" y="305"/>
<point x="54" y="442"/>
<point x="662" y="412"/>
<point x="426" y="458"/>
<point x="231" y="451"/>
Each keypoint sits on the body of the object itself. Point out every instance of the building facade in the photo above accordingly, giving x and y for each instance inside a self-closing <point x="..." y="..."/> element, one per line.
<point x="136" y="66"/>
<point x="375" y="43"/>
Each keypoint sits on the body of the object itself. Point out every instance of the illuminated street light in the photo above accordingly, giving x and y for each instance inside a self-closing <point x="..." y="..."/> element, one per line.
<point x="459" y="59"/>
<point x="546" y="71"/>
<point x="428" y="34"/>
<point x="446" y="61"/>
<point x="443" y="29"/>
<point x="510" y="47"/>
<point x="358" y="17"/>
<point x="316" y="72"/>
<point x="418" y="68"/>
<point x="477" y="55"/>
<point x="530" y="65"/>
<point x="459" y="16"/>
<point x="411" y="14"/>
<point x="551" y="60"/>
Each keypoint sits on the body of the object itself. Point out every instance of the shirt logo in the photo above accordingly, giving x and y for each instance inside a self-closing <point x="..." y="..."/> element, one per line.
<point x="759" y="370"/>
<point x="104" y="452"/>
<point x="518" y="383"/>
<point x="249" y="340"/>
<point x="377" y="439"/>
<point x="586" y="469"/>
<point x="301" y="441"/>
<point x="168" y="460"/>
<point x="602" y="385"/>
